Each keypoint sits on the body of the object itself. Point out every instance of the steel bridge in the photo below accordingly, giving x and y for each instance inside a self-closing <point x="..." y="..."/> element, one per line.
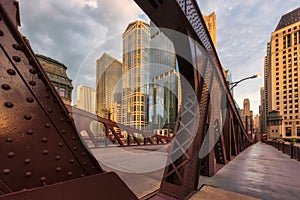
<point x="42" y="154"/>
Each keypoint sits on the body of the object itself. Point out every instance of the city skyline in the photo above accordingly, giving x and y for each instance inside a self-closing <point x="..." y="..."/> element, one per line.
<point x="54" y="36"/>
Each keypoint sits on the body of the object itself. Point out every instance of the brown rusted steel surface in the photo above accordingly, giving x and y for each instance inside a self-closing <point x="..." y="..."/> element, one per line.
<point x="83" y="121"/>
<point x="102" y="186"/>
<point x="40" y="147"/>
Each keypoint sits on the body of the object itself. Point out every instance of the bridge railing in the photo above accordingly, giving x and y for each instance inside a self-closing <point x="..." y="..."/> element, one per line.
<point x="100" y="132"/>
<point x="289" y="148"/>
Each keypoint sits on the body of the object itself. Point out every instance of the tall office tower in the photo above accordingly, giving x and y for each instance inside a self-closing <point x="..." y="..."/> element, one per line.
<point x="165" y="88"/>
<point x="266" y="95"/>
<point x="86" y="98"/>
<point x="262" y="111"/>
<point x="285" y="72"/>
<point x="135" y="93"/>
<point x="247" y="115"/>
<point x="109" y="91"/>
<point x="211" y="21"/>
<point x="57" y="73"/>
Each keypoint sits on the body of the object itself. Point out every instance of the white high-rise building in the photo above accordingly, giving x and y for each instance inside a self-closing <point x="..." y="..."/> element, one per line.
<point x="86" y="98"/>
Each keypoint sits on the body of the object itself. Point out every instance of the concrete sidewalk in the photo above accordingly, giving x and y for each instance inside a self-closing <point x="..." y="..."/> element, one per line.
<point x="260" y="171"/>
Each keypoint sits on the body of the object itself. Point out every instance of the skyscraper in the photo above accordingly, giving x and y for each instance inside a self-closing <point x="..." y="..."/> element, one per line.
<point x="210" y="21"/>
<point x="285" y="68"/>
<point x="86" y="98"/>
<point x="165" y="89"/>
<point x="135" y="90"/>
<point x="262" y="111"/>
<point x="247" y="115"/>
<point x="108" y="91"/>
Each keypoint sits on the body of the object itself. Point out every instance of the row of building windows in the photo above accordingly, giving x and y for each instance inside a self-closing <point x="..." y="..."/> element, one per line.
<point x="288" y="131"/>
<point x="289" y="30"/>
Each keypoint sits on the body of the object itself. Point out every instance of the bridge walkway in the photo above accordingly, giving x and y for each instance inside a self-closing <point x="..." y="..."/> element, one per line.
<point x="260" y="171"/>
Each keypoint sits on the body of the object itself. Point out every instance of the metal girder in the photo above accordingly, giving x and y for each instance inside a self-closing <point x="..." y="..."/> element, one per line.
<point x="42" y="155"/>
<point x="181" y="175"/>
<point x="39" y="144"/>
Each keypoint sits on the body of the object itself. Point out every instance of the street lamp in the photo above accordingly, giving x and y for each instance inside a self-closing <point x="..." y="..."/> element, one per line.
<point x="237" y="82"/>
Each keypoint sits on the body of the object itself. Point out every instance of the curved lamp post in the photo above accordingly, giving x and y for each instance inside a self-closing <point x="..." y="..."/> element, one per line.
<point x="233" y="84"/>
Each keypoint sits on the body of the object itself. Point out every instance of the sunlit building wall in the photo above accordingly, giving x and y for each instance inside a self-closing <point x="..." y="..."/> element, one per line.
<point x="135" y="90"/>
<point x="109" y="91"/>
<point x="285" y="72"/>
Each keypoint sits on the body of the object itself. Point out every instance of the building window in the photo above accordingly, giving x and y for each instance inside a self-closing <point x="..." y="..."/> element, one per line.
<point x="288" y="131"/>
<point x="298" y="131"/>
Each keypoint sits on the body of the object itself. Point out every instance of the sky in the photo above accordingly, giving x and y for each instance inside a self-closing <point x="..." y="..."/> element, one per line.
<point x="77" y="32"/>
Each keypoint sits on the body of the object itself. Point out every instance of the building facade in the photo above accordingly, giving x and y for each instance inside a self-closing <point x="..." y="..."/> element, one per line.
<point x="165" y="91"/>
<point x="109" y="91"/>
<point x="135" y="75"/>
<point x="247" y="116"/>
<point x="57" y="73"/>
<point x="262" y="112"/>
<point x="274" y="124"/>
<point x="211" y="24"/>
<point x="285" y="50"/>
<point x="86" y="98"/>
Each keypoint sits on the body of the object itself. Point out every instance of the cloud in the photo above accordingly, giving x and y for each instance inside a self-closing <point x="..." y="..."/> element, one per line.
<point x="243" y="30"/>
<point x="73" y="31"/>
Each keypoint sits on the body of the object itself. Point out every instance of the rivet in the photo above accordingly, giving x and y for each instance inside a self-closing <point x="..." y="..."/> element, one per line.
<point x="27" y="117"/>
<point x="27" y="161"/>
<point x="33" y="83"/>
<point x="62" y="119"/>
<point x="11" y="72"/>
<point x="63" y="131"/>
<point x="17" y="58"/>
<point x="75" y="148"/>
<point x="83" y="153"/>
<point x="92" y="167"/>
<point x="43" y="179"/>
<point x="6" y="171"/>
<point x="47" y="96"/>
<point x="45" y="152"/>
<point x="5" y="87"/>
<point x="47" y="125"/>
<point x="39" y="75"/>
<point x="72" y="161"/>
<point x="44" y="140"/>
<point x="30" y="132"/>
<point x="57" y="158"/>
<point x="9" y="140"/>
<point x="16" y="47"/>
<point x="70" y="173"/>
<point x="60" y="144"/>
<point x="11" y="154"/>
<point x="28" y="174"/>
<point x="49" y="110"/>
<point x="84" y="163"/>
<point x="32" y="71"/>
<point x="73" y="138"/>
<point x="29" y="99"/>
<point x="82" y="175"/>
<point x="58" y="169"/>
<point x="1" y="33"/>
<point x="8" y="105"/>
